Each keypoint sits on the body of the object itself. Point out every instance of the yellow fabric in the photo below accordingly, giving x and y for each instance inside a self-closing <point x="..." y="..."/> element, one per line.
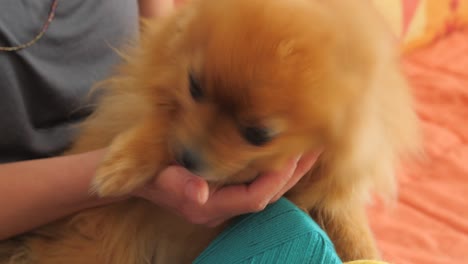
<point x="420" y="22"/>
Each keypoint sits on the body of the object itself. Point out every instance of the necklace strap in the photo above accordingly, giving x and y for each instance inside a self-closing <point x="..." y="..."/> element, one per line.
<point x="41" y="33"/>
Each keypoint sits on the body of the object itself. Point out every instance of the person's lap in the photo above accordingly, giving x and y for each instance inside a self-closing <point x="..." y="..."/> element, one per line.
<point x="282" y="233"/>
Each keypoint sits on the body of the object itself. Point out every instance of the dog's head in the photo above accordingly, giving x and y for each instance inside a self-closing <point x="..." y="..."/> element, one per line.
<point x="247" y="84"/>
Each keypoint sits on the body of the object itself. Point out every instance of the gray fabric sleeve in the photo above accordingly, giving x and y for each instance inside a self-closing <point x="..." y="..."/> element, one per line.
<point x="43" y="87"/>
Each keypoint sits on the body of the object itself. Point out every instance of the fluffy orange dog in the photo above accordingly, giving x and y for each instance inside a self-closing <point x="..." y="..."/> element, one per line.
<point x="229" y="89"/>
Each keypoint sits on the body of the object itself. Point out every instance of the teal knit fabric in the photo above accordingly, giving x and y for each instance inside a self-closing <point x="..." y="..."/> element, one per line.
<point x="282" y="233"/>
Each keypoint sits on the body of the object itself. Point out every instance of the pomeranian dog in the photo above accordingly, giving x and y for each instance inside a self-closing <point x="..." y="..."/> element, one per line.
<point x="230" y="89"/>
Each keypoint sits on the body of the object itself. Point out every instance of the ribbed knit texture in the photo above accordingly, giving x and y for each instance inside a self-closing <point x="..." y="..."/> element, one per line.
<point x="282" y="233"/>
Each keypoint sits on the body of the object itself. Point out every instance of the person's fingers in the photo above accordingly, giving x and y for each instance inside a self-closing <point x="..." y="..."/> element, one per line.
<point x="189" y="195"/>
<point x="174" y="185"/>
<point x="303" y="166"/>
<point x="197" y="190"/>
<point x="256" y="195"/>
<point x="248" y="198"/>
<point x="183" y="184"/>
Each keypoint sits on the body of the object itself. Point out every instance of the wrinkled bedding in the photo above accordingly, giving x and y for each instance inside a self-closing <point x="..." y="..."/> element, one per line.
<point x="429" y="223"/>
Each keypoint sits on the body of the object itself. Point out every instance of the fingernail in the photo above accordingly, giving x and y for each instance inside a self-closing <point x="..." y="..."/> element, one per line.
<point x="297" y="158"/>
<point x="192" y="192"/>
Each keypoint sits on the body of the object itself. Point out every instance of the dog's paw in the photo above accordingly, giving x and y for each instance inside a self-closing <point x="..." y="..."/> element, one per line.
<point x="120" y="174"/>
<point x="133" y="158"/>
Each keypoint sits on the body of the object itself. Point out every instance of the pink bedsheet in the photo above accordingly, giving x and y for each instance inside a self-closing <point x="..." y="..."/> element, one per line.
<point x="429" y="224"/>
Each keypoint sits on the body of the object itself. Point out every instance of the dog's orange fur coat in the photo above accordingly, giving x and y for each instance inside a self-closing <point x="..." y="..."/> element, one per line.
<point x="316" y="74"/>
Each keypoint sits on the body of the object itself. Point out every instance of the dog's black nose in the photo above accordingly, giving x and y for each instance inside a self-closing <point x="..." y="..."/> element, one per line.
<point x="189" y="160"/>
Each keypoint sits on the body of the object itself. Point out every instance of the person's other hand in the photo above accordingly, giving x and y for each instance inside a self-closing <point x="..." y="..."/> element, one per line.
<point x="189" y="196"/>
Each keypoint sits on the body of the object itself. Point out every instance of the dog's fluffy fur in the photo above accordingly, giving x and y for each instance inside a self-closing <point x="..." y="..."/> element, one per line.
<point x="270" y="79"/>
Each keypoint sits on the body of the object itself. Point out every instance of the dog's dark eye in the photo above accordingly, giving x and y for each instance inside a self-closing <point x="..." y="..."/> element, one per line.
<point x="195" y="89"/>
<point x="256" y="136"/>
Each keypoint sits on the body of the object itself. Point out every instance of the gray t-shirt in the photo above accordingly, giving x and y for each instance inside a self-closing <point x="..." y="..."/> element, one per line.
<point x="43" y="87"/>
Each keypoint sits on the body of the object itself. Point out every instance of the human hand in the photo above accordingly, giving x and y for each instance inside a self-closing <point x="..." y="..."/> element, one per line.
<point x="189" y="195"/>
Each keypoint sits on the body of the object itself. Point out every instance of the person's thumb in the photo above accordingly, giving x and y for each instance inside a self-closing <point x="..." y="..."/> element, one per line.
<point x="178" y="182"/>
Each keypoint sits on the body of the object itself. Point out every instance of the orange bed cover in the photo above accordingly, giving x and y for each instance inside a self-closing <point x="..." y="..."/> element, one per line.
<point x="429" y="224"/>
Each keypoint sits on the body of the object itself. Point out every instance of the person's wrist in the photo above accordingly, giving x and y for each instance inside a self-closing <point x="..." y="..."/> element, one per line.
<point x="84" y="166"/>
